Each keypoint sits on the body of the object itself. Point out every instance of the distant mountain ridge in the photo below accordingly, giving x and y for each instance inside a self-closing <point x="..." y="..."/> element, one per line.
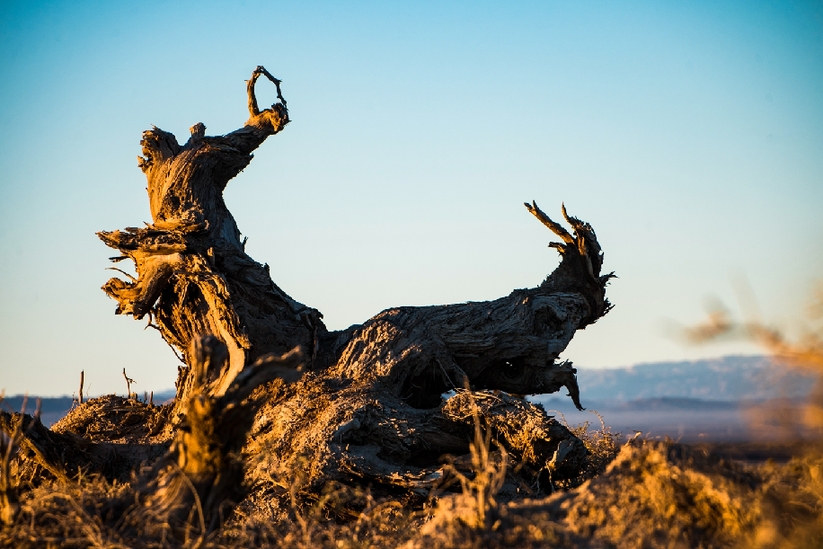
<point x="705" y="384"/>
<point x="51" y="408"/>
<point x="729" y="378"/>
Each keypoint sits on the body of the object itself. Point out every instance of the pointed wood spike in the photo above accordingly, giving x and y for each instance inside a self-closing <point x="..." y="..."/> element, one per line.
<point x="576" y="223"/>
<point x="546" y="220"/>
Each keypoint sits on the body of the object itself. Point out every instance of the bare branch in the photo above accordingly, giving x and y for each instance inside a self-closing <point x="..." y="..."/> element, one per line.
<point x="254" y="110"/>
<point x="129" y="381"/>
<point x="554" y="227"/>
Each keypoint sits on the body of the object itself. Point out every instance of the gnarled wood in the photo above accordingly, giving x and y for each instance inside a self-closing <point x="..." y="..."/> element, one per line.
<point x="193" y="275"/>
<point x="201" y="478"/>
<point x="370" y="406"/>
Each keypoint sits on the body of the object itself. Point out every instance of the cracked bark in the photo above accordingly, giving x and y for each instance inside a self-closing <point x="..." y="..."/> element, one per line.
<point x="370" y="405"/>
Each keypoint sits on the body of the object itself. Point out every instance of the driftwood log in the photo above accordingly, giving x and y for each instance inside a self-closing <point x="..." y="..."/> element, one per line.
<point x="382" y="403"/>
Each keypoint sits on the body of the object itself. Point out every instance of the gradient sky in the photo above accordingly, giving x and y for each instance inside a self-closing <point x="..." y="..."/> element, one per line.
<point x="690" y="135"/>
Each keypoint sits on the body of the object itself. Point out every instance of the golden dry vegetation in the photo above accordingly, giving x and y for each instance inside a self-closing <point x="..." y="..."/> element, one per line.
<point x="639" y="493"/>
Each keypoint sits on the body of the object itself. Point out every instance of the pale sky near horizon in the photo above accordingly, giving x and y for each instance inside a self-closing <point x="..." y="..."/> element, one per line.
<point x="690" y="135"/>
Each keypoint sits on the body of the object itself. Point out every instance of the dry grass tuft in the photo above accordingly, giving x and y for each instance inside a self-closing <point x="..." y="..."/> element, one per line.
<point x="9" y="468"/>
<point x="477" y="503"/>
<point x="472" y="518"/>
<point x="603" y="446"/>
<point x="662" y="494"/>
<point x="793" y="504"/>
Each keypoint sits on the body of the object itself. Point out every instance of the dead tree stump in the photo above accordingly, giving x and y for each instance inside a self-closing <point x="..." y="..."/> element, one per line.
<point x="373" y="406"/>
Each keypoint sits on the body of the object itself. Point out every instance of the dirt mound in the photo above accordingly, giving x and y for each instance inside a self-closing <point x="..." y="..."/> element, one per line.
<point x="116" y="419"/>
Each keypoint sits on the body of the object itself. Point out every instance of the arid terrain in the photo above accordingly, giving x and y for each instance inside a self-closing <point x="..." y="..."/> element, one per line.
<point x="412" y="429"/>
<point x="641" y="493"/>
<point x="724" y="483"/>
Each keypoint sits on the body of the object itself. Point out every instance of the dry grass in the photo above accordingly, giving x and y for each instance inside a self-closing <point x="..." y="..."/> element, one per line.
<point x="804" y="352"/>
<point x="477" y="502"/>
<point x="793" y="494"/>
<point x="641" y="494"/>
<point x="10" y="474"/>
<point x="793" y="500"/>
<point x="603" y="445"/>
<point x="653" y="494"/>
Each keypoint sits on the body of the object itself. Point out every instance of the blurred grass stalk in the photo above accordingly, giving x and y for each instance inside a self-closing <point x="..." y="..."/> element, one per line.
<point x="798" y="419"/>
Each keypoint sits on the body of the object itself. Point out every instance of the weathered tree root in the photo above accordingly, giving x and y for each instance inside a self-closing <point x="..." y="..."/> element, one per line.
<point x="371" y="408"/>
<point x="377" y="414"/>
<point x="374" y="389"/>
<point x="194" y="487"/>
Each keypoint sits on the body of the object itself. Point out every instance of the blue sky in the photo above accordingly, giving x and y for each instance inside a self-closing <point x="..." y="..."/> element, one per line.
<point x="689" y="134"/>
